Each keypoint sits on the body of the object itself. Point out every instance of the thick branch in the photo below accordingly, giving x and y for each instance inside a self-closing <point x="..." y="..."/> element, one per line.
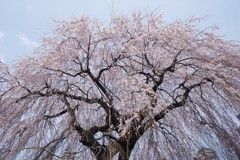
<point x="55" y="115"/>
<point x="179" y="103"/>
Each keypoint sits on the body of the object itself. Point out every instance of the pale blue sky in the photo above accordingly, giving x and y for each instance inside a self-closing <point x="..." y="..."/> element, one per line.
<point x="24" y="22"/>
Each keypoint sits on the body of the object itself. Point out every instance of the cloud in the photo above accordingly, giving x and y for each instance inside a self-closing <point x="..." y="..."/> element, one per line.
<point x="26" y="41"/>
<point x="2" y="34"/>
<point x="29" y="8"/>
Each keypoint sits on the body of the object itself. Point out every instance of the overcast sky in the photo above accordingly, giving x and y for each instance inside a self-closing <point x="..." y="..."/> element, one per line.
<point x="24" y="22"/>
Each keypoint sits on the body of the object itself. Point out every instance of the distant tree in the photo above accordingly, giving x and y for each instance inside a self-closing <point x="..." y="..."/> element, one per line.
<point x="137" y="88"/>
